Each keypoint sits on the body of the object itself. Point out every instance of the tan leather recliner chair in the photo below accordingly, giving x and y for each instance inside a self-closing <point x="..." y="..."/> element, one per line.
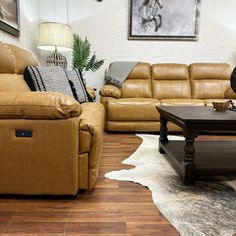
<point x="49" y="143"/>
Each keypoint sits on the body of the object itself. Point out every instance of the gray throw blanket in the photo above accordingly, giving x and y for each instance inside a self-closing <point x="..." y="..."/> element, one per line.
<point x="118" y="72"/>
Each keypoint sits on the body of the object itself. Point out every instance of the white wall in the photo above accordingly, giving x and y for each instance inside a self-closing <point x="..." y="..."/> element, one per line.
<point x="106" y="26"/>
<point x="29" y="14"/>
<point x="52" y="11"/>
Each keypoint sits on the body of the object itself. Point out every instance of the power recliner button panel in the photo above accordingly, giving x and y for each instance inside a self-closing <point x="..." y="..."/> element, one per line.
<point x="24" y="133"/>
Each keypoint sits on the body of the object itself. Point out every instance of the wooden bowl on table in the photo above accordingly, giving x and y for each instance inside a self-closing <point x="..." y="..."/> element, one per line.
<point x="221" y="106"/>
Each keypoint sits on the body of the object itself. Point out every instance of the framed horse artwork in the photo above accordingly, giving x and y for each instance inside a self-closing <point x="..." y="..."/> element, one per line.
<point x="164" y="19"/>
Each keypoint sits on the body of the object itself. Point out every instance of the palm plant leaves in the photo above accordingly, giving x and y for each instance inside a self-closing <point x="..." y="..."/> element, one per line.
<point x="97" y="64"/>
<point x="81" y="52"/>
<point x="81" y="56"/>
<point x="90" y="63"/>
<point x="94" y="64"/>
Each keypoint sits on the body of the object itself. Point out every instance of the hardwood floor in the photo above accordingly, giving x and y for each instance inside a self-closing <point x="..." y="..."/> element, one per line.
<point x="112" y="208"/>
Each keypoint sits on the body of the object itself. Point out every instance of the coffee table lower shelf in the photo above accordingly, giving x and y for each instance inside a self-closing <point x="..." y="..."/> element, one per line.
<point x="210" y="158"/>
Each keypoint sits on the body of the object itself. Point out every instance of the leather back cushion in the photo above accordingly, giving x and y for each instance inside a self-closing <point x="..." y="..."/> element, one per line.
<point x="13" y="83"/>
<point x="23" y="58"/>
<point x="138" y="83"/>
<point x="7" y="59"/>
<point x="209" y="80"/>
<point x="170" y="81"/>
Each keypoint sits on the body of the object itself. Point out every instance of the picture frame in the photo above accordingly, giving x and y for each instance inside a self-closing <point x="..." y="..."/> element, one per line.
<point x="164" y="19"/>
<point x="10" y="17"/>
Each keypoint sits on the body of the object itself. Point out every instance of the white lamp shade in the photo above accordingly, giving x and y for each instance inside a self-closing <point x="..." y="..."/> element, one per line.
<point x="53" y="35"/>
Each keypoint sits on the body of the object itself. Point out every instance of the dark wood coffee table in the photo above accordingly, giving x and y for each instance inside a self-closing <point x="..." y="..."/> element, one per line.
<point x="192" y="159"/>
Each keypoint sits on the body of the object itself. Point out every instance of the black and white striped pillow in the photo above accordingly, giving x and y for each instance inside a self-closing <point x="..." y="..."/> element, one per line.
<point x="47" y="79"/>
<point x="78" y="87"/>
<point x="55" y="79"/>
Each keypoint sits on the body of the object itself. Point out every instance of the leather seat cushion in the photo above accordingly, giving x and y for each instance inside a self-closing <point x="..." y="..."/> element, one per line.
<point x="133" y="126"/>
<point x="133" y="109"/>
<point x="182" y="102"/>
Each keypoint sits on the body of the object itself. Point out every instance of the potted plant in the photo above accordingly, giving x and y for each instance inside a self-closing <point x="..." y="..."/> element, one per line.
<point x="82" y="59"/>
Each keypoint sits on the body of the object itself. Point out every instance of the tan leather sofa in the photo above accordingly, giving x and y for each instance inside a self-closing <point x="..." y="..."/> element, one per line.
<point x="132" y="108"/>
<point x="64" y="151"/>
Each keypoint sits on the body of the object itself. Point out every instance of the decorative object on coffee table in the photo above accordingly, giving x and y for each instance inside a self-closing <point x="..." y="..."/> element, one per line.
<point x="55" y="37"/>
<point x="221" y="106"/>
<point x="10" y="17"/>
<point x="209" y="157"/>
<point x="82" y="59"/>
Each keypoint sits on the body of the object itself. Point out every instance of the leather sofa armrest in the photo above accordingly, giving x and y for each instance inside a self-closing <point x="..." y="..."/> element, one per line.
<point x="38" y="105"/>
<point x="89" y="121"/>
<point x="110" y="91"/>
<point x="91" y="135"/>
<point x="230" y="94"/>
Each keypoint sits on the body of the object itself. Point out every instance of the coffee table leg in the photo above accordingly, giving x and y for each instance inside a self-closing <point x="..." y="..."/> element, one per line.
<point x="188" y="165"/>
<point x="163" y="134"/>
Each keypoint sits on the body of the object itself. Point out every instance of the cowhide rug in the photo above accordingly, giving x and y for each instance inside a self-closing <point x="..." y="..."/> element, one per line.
<point x="207" y="208"/>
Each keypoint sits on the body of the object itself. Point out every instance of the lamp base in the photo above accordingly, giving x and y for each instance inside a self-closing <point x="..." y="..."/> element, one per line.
<point x="56" y="59"/>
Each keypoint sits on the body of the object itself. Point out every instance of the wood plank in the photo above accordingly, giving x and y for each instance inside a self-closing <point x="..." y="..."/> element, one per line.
<point x="146" y="228"/>
<point x="96" y="227"/>
<point x="35" y="227"/>
<point x="92" y="216"/>
<point x="40" y="217"/>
